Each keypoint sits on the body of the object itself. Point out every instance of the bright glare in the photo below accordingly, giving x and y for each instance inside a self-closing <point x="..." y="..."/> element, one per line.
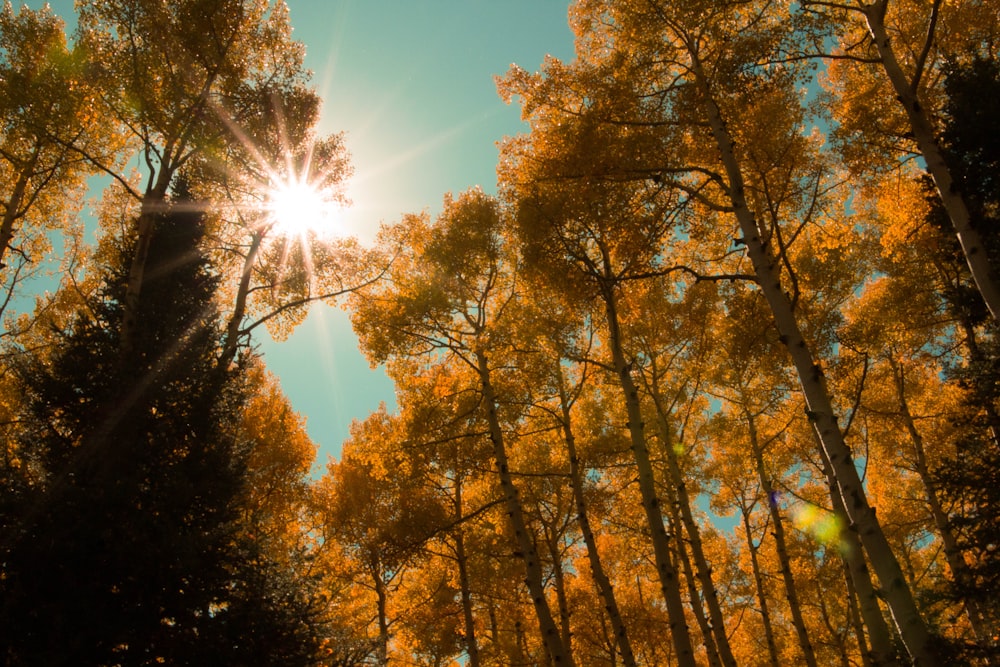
<point x="298" y="208"/>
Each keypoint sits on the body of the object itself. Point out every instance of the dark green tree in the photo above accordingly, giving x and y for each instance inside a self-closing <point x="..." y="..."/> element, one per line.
<point x="971" y="478"/>
<point x="128" y="549"/>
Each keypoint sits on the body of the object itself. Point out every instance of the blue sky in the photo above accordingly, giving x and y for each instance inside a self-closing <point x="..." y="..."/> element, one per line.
<point x="410" y="82"/>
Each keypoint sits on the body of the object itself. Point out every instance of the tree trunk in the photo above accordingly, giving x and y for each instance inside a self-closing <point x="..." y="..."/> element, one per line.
<point x="520" y="644"/>
<point x="382" y="653"/>
<point x="819" y="407"/>
<point x="704" y="625"/>
<point x="14" y="208"/>
<point x="240" y="307"/>
<point x="465" y="589"/>
<point x="952" y="551"/>
<point x="758" y="580"/>
<point x="559" y="583"/>
<point x="781" y="546"/>
<point x="838" y="637"/>
<point x="669" y="581"/>
<point x="703" y="571"/>
<point x="854" y="613"/>
<point x="558" y="653"/>
<point x="604" y="588"/>
<point x="883" y="649"/>
<point x="924" y="136"/>
<point x="609" y="643"/>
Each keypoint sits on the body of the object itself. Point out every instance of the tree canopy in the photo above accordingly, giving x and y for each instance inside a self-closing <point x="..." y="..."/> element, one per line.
<point x="710" y="379"/>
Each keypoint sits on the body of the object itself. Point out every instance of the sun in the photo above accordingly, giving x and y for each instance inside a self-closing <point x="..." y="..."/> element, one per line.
<point x="298" y="208"/>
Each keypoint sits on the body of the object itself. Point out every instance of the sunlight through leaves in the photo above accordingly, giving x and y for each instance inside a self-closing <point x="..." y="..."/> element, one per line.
<point x="298" y="207"/>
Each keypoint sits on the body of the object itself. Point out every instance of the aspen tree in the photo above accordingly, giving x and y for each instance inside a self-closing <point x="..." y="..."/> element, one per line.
<point x="450" y="297"/>
<point x="710" y="74"/>
<point x="896" y="49"/>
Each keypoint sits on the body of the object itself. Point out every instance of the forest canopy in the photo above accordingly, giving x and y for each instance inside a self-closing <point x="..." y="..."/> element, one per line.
<point x="713" y="378"/>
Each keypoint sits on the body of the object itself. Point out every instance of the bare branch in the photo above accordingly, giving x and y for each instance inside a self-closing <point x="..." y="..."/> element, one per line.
<point x="857" y="397"/>
<point x="928" y="42"/>
<point x="699" y="277"/>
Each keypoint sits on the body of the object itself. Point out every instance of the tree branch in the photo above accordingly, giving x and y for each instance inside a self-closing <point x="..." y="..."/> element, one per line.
<point x="928" y="42"/>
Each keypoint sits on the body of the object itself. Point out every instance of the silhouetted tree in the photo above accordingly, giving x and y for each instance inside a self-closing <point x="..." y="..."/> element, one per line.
<point x="972" y="476"/>
<point x="128" y="550"/>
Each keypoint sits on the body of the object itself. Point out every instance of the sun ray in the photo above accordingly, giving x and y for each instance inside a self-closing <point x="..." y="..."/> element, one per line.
<point x="301" y="191"/>
<point x="297" y="207"/>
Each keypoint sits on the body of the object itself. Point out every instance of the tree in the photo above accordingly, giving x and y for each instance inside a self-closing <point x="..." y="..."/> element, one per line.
<point x="279" y="606"/>
<point x="138" y="456"/>
<point x="895" y="51"/>
<point x="450" y="299"/>
<point x="443" y="442"/>
<point x="47" y="107"/>
<point x="967" y="477"/>
<point x="753" y="425"/>
<point x="379" y="520"/>
<point x="590" y="238"/>
<point x="706" y="77"/>
<point x="274" y="273"/>
<point x="674" y="351"/>
<point x="930" y="313"/>
<point x="181" y="93"/>
<point x="560" y="344"/>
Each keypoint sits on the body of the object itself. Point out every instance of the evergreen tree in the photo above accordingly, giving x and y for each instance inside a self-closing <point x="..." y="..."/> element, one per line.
<point x="972" y="476"/>
<point x="128" y="550"/>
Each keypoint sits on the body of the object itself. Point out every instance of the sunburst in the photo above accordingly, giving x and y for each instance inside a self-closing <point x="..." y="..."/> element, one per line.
<point x="297" y="207"/>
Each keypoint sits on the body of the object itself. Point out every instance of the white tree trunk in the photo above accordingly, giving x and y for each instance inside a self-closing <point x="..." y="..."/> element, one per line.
<point x="923" y="134"/>
<point x="912" y="629"/>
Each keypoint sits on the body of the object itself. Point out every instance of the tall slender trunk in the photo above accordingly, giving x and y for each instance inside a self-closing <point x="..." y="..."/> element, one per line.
<point x="758" y="580"/>
<point x="952" y="550"/>
<point x="608" y="642"/>
<point x="854" y="614"/>
<point x="14" y="208"/>
<point x="231" y="342"/>
<point x="711" y="648"/>
<point x="883" y="649"/>
<point x="780" y="545"/>
<point x="558" y="653"/>
<point x="925" y="138"/>
<point x="667" y="574"/>
<point x="520" y="644"/>
<point x="576" y="475"/>
<point x="465" y="588"/>
<point x="837" y="635"/>
<point x="494" y="624"/>
<point x="382" y="652"/>
<point x="559" y="583"/>
<point x="819" y="406"/>
<point x="703" y="571"/>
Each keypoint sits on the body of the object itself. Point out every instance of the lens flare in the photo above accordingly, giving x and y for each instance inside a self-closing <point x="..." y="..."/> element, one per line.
<point x="298" y="208"/>
<point x="824" y="526"/>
